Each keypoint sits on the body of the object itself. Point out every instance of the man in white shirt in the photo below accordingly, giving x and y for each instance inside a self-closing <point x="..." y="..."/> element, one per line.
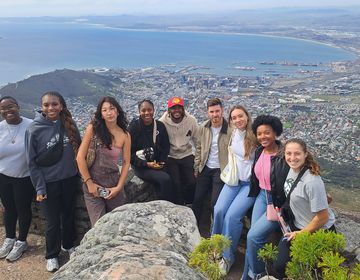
<point x="211" y="156"/>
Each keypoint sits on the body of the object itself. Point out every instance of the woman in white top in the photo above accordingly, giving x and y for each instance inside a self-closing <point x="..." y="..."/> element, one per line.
<point x="233" y="201"/>
<point x="16" y="190"/>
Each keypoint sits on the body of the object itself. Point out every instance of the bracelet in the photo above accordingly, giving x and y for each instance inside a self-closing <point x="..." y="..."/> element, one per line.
<point x="87" y="180"/>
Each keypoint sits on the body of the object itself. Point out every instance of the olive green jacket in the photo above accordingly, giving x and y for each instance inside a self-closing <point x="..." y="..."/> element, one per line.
<point x="204" y="142"/>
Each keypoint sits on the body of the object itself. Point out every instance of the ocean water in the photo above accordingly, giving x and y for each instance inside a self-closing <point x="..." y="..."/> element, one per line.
<point x="32" y="48"/>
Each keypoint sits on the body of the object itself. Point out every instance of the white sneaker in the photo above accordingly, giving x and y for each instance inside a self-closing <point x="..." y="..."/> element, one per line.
<point x="19" y="248"/>
<point x="70" y="251"/>
<point x="224" y="266"/>
<point x="52" y="264"/>
<point x="7" y="247"/>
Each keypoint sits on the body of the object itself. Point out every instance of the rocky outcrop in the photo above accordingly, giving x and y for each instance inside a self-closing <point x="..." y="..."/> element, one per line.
<point x="136" y="190"/>
<point x="348" y="223"/>
<point x="137" y="241"/>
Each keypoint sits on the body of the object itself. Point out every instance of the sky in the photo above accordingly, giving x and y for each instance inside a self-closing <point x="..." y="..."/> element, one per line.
<point x="19" y="8"/>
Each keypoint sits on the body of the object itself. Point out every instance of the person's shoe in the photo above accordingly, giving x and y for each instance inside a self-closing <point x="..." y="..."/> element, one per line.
<point x="260" y="275"/>
<point x="225" y="266"/>
<point x="6" y="247"/>
<point x="70" y="251"/>
<point x="52" y="264"/>
<point x="19" y="248"/>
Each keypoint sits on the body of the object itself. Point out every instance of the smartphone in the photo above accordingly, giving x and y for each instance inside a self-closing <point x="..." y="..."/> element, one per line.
<point x="103" y="192"/>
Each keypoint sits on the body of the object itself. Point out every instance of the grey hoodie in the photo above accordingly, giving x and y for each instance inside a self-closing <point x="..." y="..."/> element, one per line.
<point x="38" y="137"/>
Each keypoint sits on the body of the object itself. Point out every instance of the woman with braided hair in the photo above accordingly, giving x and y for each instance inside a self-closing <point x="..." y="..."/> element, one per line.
<point x="51" y="144"/>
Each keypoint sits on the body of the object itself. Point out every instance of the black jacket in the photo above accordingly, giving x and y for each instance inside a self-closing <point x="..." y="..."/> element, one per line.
<point x="142" y="137"/>
<point x="278" y="173"/>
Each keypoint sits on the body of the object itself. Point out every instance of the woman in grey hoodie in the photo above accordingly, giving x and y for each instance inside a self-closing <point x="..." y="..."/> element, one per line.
<point x="51" y="143"/>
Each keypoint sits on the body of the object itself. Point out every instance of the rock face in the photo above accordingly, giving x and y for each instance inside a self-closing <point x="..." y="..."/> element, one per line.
<point x="136" y="190"/>
<point x="348" y="223"/>
<point x="137" y="241"/>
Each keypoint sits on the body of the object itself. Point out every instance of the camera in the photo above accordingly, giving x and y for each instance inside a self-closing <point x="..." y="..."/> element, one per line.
<point x="103" y="192"/>
<point x="149" y="154"/>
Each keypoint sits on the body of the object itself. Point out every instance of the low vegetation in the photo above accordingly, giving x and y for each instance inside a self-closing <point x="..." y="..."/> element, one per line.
<point x="207" y="255"/>
<point x="316" y="256"/>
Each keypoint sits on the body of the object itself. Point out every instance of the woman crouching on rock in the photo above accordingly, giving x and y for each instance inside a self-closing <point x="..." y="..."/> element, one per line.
<point x="109" y="141"/>
<point x="308" y="199"/>
<point x="51" y="143"/>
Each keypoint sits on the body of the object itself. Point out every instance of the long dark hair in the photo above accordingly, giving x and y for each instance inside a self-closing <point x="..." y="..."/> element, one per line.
<point x="66" y="120"/>
<point x="310" y="162"/>
<point x="100" y="128"/>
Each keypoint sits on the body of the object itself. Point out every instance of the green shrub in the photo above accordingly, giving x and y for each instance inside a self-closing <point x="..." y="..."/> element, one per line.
<point x="315" y="256"/>
<point x="207" y="255"/>
<point x="268" y="254"/>
<point x="307" y="250"/>
<point x="356" y="272"/>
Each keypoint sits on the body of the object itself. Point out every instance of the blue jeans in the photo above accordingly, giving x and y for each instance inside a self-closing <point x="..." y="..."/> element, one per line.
<point x="257" y="236"/>
<point x="229" y="210"/>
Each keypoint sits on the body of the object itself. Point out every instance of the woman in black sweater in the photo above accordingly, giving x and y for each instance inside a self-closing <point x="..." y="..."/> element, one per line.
<point x="149" y="150"/>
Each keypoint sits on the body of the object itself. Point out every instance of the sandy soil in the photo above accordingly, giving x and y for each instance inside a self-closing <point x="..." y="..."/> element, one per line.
<point x="32" y="265"/>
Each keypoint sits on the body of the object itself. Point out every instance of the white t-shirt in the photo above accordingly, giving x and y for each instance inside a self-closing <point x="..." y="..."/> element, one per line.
<point x="243" y="165"/>
<point x="12" y="149"/>
<point x="213" y="159"/>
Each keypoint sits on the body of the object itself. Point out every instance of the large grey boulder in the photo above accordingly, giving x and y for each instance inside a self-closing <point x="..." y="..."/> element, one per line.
<point x="137" y="241"/>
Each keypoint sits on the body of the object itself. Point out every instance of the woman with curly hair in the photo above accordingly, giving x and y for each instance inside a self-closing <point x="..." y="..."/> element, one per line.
<point x="308" y="200"/>
<point x="103" y="182"/>
<point x="266" y="129"/>
<point x="51" y="143"/>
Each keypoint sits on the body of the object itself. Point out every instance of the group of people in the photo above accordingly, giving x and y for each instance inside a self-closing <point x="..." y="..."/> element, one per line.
<point x="269" y="175"/>
<point x="183" y="160"/>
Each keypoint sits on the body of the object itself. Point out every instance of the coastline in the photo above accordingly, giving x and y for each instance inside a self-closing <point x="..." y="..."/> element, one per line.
<point x="353" y="53"/>
<point x="329" y="44"/>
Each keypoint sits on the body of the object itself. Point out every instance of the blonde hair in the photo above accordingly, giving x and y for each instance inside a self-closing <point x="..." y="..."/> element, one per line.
<point x="250" y="142"/>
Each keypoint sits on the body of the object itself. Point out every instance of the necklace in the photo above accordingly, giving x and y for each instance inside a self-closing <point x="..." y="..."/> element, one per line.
<point x="13" y="137"/>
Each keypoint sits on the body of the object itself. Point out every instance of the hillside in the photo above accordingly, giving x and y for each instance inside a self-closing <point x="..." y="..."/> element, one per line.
<point x="69" y="83"/>
<point x="84" y="88"/>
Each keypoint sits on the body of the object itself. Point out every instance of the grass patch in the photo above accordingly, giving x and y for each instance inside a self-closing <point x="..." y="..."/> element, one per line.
<point x="347" y="199"/>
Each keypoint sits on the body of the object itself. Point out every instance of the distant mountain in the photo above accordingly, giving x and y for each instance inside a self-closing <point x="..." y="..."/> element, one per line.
<point x="69" y="83"/>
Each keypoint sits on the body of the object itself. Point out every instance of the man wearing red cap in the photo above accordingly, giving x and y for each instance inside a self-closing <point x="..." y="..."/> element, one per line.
<point x="182" y="130"/>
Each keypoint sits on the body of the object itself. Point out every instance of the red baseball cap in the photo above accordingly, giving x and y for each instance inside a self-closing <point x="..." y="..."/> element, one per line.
<point x="175" y="101"/>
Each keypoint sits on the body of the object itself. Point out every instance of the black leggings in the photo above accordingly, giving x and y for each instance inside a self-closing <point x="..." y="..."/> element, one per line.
<point x="284" y="256"/>
<point x="16" y="196"/>
<point x="161" y="180"/>
<point x="181" y="172"/>
<point x="208" y="181"/>
<point x="58" y="209"/>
